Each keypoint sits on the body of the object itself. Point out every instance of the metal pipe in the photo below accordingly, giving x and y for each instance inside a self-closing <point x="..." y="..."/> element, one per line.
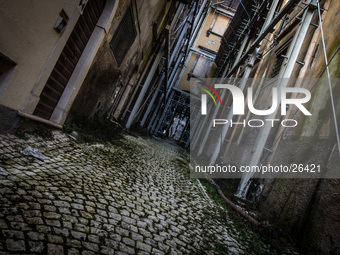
<point x="207" y="133"/>
<point x="186" y="51"/>
<point x="152" y="122"/>
<point x="329" y="80"/>
<point x="176" y="17"/>
<point x="195" y="38"/>
<point x="243" y="83"/>
<point x="203" y="53"/>
<point x="285" y="73"/>
<point x="179" y="42"/>
<point x="230" y="113"/>
<point x="145" y="88"/>
<point x="262" y="35"/>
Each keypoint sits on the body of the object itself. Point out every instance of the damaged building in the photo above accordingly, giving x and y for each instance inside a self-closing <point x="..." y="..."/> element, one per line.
<point x="138" y="63"/>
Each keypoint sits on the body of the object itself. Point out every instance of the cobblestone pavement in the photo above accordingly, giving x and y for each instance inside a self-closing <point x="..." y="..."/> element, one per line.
<point x="95" y="199"/>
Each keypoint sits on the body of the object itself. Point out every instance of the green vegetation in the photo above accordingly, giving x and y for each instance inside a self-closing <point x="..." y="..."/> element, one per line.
<point x="43" y="132"/>
<point x="37" y="130"/>
<point x="212" y="193"/>
<point x="96" y="129"/>
<point x="251" y="240"/>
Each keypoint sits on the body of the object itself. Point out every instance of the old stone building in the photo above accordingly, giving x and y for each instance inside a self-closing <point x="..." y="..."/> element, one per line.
<point x="153" y="65"/>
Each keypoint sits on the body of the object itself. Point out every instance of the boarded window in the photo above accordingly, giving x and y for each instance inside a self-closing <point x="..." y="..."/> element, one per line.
<point x="201" y="66"/>
<point x="124" y="36"/>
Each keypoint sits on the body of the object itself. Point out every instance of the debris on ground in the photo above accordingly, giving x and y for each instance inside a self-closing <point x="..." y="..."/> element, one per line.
<point x="29" y="151"/>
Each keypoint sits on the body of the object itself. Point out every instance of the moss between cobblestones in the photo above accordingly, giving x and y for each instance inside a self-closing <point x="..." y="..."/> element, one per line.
<point x="40" y="130"/>
<point x="92" y="130"/>
<point x="126" y="196"/>
<point x="250" y="237"/>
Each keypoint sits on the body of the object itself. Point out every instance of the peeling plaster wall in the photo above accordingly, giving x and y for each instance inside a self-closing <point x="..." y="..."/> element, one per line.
<point x="308" y="210"/>
<point x="97" y="93"/>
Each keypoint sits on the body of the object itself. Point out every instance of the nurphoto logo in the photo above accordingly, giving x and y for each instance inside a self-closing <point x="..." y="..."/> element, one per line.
<point x="279" y="97"/>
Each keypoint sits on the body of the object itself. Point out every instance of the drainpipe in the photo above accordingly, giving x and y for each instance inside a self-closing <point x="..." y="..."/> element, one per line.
<point x="286" y="72"/>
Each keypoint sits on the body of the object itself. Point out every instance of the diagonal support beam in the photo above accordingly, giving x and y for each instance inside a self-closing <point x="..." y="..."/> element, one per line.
<point x="263" y="135"/>
<point x="286" y="9"/>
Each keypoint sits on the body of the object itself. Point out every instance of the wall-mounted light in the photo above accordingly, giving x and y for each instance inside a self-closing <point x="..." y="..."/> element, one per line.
<point x="61" y="22"/>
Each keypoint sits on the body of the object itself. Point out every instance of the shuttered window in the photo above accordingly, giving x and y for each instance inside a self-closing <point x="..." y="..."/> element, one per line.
<point x="68" y="59"/>
<point x="124" y="36"/>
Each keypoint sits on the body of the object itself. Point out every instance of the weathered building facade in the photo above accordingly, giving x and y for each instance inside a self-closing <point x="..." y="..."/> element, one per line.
<point x="267" y="42"/>
<point x="122" y="57"/>
<point x="160" y="101"/>
<point x="78" y="53"/>
<point x="47" y="57"/>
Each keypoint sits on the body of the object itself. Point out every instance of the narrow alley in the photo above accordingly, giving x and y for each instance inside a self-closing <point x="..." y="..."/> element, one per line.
<point x="170" y="127"/>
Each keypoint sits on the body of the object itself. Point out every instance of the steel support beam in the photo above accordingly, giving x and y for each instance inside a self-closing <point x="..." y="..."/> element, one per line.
<point x="286" y="9"/>
<point x="285" y="73"/>
<point x="145" y="88"/>
<point x="206" y="135"/>
<point x="225" y="129"/>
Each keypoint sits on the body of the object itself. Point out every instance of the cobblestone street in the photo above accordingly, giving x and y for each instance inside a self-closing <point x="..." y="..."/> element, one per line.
<point x="129" y="198"/>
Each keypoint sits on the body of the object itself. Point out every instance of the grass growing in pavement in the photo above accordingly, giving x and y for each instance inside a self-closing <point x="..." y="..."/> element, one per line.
<point x="96" y="129"/>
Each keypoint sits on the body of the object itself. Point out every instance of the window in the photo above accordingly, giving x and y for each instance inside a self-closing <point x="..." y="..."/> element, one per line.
<point x="200" y="67"/>
<point x="124" y="36"/>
